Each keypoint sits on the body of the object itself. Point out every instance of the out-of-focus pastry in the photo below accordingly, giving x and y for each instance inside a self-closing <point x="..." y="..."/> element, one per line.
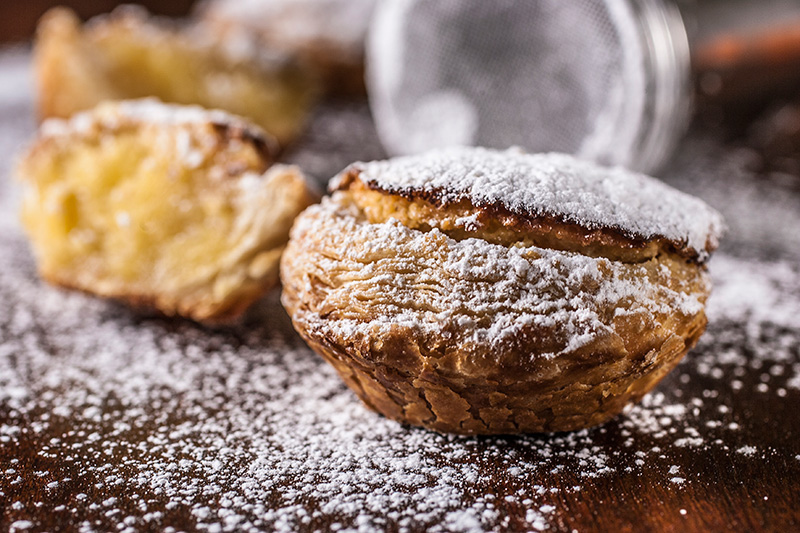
<point x="164" y="206"/>
<point x="127" y="54"/>
<point x="477" y="291"/>
<point x="328" y="35"/>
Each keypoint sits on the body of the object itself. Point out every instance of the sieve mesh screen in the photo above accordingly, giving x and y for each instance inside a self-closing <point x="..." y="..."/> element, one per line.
<point x="545" y="75"/>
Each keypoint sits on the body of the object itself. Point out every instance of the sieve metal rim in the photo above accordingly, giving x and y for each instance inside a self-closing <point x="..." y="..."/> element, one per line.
<point x="666" y="69"/>
<point x="668" y="105"/>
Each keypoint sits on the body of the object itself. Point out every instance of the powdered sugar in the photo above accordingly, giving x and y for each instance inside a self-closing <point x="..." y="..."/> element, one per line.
<point x="247" y="429"/>
<point x="146" y="111"/>
<point x="151" y="424"/>
<point x="556" y="185"/>
<point x="257" y="426"/>
<point x="743" y="293"/>
<point x="467" y="281"/>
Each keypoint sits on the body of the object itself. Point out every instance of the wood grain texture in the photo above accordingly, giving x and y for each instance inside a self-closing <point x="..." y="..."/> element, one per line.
<point x="725" y="490"/>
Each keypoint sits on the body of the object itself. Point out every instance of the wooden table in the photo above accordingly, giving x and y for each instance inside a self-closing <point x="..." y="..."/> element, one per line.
<point x="113" y="421"/>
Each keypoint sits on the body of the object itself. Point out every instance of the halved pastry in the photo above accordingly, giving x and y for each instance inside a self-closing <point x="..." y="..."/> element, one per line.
<point x="477" y="291"/>
<point x="127" y="54"/>
<point x="172" y="207"/>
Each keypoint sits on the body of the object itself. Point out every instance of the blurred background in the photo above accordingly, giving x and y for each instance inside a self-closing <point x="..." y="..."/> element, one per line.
<point x="741" y="151"/>
<point x="18" y="17"/>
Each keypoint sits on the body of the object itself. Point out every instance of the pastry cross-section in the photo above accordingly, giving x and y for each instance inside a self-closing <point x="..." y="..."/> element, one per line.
<point x="171" y="207"/>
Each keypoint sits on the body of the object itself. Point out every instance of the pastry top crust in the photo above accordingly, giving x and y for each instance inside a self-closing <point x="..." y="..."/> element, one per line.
<point x="151" y="112"/>
<point x="533" y="194"/>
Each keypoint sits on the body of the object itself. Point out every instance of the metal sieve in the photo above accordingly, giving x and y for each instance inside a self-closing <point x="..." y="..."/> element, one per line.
<point x="607" y="79"/>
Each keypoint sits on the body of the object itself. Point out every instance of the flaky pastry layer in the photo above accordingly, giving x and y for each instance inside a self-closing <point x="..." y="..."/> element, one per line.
<point x="479" y="328"/>
<point x="552" y="198"/>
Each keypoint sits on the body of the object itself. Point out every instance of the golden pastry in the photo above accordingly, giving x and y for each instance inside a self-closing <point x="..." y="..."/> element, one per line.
<point x="127" y="55"/>
<point x="477" y="291"/>
<point x="327" y="35"/>
<point x="172" y="207"/>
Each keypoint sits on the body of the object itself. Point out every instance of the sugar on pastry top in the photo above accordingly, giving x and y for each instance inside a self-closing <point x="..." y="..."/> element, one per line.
<point x="539" y="192"/>
<point x="153" y="112"/>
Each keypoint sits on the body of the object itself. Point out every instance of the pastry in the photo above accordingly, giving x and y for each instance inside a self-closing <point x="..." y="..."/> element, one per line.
<point x="171" y="207"/>
<point x="127" y="54"/>
<point x="477" y="291"/>
<point x="327" y="35"/>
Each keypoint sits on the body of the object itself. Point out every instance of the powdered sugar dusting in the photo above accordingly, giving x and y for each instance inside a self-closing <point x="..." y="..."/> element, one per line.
<point x="144" y="110"/>
<point x="256" y="431"/>
<point x="247" y="429"/>
<point x="556" y="185"/>
<point x="519" y="287"/>
<point x="111" y="421"/>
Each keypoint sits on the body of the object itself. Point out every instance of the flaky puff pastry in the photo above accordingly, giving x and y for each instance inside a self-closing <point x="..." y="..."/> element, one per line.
<point x="163" y="206"/>
<point x="128" y="54"/>
<point x="475" y="291"/>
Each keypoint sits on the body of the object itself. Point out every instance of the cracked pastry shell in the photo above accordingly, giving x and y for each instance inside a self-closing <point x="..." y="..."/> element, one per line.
<point x="171" y="207"/>
<point x="474" y="291"/>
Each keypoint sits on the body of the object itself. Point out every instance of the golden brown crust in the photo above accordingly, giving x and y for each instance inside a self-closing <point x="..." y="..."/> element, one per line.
<point x="496" y="223"/>
<point x="586" y="394"/>
<point x="466" y="335"/>
<point x="167" y="207"/>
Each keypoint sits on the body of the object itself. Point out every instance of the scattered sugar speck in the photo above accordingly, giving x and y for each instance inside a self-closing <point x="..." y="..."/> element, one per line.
<point x="747" y="450"/>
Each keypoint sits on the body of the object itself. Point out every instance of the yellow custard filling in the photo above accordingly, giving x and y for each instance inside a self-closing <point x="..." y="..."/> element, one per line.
<point x="124" y="209"/>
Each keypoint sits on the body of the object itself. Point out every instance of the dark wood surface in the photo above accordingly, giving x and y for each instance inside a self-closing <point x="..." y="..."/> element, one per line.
<point x="112" y="421"/>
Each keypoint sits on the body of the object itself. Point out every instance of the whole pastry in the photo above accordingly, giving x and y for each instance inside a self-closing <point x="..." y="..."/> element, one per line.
<point x="129" y="54"/>
<point x="172" y="207"/>
<point x="477" y="291"/>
